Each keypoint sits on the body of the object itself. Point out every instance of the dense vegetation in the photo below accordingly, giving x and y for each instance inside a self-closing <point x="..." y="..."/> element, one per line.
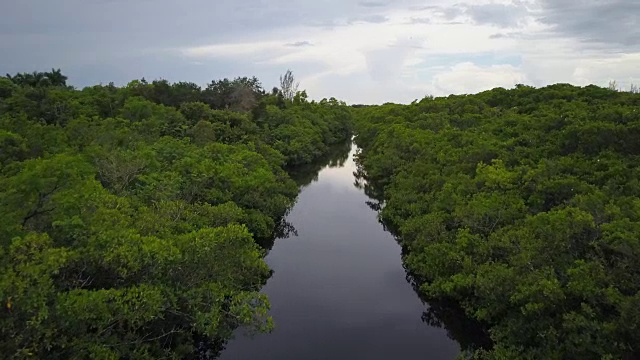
<point x="130" y="215"/>
<point x="521" y="206"/>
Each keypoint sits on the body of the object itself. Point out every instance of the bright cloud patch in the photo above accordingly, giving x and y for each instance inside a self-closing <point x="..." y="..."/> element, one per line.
<point x="470" y="78"/>
<point x="360" y="51"/>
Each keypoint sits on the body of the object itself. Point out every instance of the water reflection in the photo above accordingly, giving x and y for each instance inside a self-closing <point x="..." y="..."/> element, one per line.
<point x="306" y="174"/>
<point x="339" y="289"/>
<point x="467" y="332"/>
<point x="374" y="193"/>
<point x="282" y="230"/>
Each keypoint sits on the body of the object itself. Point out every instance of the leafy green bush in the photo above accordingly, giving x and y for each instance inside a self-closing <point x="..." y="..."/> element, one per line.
<point x="522" y="207"/>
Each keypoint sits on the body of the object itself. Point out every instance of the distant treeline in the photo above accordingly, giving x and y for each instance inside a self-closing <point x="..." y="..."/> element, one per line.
<point x="129" y="214"/>
<point x="523" y="207"/>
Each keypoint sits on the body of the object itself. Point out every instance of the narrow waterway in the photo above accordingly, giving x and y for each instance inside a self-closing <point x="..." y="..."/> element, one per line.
<point x="339" y="290"/>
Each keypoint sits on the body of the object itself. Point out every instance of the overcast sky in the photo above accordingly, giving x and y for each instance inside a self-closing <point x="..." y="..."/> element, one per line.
<point x="367" y="51"/>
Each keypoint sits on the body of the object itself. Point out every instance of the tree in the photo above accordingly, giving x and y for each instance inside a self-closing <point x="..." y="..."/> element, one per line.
<point x="241" y="93"/>
<point x="39" y="79"/>
<point x="243" y="98"/>
<point x="288" y="85"/>
<point x="56" y="77"/>
<point x="7" y="87"/>
<point x="520" y="207"/>
<point x="132" y="216"/>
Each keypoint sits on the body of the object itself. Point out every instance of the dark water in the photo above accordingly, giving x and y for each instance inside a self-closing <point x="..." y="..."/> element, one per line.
<point x="339" y="290"/>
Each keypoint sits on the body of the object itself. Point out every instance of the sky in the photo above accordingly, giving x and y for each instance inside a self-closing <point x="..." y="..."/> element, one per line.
<point x="359" y="51"/>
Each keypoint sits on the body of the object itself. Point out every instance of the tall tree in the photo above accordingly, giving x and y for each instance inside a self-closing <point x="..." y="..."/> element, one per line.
<point x="288" y="85"/>
<point x="56" y="78"/>
<point x="233" y="94"/>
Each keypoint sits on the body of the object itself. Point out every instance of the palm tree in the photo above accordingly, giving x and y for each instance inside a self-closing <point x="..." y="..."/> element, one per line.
<point x="39" y="79"/>
<point x="56" y="78"/>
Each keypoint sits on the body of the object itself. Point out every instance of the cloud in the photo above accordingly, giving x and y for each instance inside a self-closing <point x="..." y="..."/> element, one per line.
<point x="507" y="35"/>
<point x="609" y="23"/>
<point x="470" y="78"/>
<point x="501" y="15"/>
<point x="424" y="20"/>
<point x="386" y="65"/>
<point x="234" y="50"/>
<point x="375" y="19"/>
<point x="448" y="13"/>
<point x="300" y="44"/>
<point x="372" y="4"/>
<point x="438" y="49"/>
<point x="358" y="50"/>
<point x="622" y="69"/>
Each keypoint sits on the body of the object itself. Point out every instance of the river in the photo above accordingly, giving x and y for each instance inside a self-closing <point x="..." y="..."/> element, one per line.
<point x="339" y="290"/>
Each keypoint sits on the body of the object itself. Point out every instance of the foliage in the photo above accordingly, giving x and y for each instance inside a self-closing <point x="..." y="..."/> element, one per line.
<point x="39" y="79"/>
<point x="288" y="85"/>
<point x="131" y="215"/>
<point x="522" y="207"/>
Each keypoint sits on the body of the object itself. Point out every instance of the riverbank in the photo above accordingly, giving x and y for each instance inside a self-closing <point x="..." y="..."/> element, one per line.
<point x="339" y="289"/>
